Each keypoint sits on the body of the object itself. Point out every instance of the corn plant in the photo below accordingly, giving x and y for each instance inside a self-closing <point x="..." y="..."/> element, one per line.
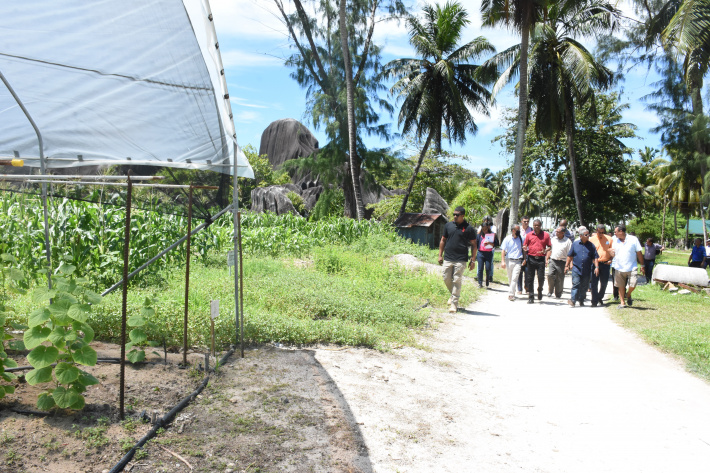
<point x="138" y="336"/>
<point x="62" y="323"/>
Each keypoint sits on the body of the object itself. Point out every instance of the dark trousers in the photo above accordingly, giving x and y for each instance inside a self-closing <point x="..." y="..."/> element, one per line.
<point x="536" y="265"/>
<point x="580" y="283"/>
<point x="695" y="264"/>
<point x="648" y="269"/>
<point x="521" y="277"/>
<point x="485" y="258"/>
<point x="616" y="289"/>
<point x="599" y="282"/>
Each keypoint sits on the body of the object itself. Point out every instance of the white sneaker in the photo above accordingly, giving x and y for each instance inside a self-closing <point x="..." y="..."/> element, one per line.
<point x="452" y="308"/>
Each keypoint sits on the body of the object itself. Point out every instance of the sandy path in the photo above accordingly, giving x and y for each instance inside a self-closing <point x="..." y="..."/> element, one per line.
<point x="510" y="387"/>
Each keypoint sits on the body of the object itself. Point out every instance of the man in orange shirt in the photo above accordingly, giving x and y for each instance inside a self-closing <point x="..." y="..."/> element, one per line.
<point x="602" y="242"/>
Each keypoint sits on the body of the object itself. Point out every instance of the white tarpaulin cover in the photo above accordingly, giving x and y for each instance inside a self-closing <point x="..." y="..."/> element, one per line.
<point x="117" y="82"/>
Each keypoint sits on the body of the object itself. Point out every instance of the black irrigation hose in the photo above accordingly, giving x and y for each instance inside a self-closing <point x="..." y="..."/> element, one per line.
<point x="165" y="420"/>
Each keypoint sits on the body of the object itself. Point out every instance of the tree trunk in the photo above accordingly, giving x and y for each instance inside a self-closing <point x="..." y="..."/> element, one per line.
<point x="350" y="209"/>
<point x="687" y="229"/>
<point x="702" y="222"/>
<point x="522" y="122"/>
<point x="414" y="174"/>
<point x="695" y="86"/>
<point x="663" y="222"/>
<point x="352" y="129"/>
<point x="569" y="131"/>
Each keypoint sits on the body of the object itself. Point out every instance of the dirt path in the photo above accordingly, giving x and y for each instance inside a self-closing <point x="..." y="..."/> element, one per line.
<point x="509" y="386"/>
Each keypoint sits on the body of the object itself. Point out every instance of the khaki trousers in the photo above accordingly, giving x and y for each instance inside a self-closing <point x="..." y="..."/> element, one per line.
<point x="453" y="276"/>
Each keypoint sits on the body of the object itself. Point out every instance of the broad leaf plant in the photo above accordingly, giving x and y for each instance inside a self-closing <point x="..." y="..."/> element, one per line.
<point x="59" y="337"/>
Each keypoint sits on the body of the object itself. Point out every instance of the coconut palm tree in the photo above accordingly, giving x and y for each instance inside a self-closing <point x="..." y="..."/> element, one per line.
<point x="438" y="89"/>
<point x="521" y="16"/>
<point x="679" y="179"/>
<point x="563" y="73"/>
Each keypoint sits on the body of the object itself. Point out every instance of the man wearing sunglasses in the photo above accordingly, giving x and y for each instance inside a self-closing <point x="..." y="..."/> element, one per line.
<point x="458" y="237"/>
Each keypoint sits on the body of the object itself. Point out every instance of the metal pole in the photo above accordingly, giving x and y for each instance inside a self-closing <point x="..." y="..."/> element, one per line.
<point x="187" y="277"/>
<point x="241" y="285"/>
<point x="126" y="248"/>
<point x="235" y="214"/>
<point x="166" y="250"/>
<point x="48" y="250"/>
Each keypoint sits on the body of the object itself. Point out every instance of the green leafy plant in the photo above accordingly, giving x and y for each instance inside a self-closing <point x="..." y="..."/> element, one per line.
<point x="297" y="202"/>
<point x="62" y="323"/>
<point x="11" y="279"/>
<point x="139" y="338"/>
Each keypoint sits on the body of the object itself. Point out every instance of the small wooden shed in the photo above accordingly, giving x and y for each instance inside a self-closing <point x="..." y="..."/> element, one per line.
<point x="424" y="229"/>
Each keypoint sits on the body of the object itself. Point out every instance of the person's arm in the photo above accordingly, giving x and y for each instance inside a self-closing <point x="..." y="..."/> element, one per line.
<point x="639" y="257"/>
<point x="568" y="264"/>
<point x="525" y="251"/>
<point x="548" y="250"/>
<point x="442" y="244"/>
<point x="474" y="249"/>
<point x="502" y="255"/>
<point x="596" y="265"/>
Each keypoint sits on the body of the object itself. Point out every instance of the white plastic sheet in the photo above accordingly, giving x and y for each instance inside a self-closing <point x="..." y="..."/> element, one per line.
<point x="116" y="82"/>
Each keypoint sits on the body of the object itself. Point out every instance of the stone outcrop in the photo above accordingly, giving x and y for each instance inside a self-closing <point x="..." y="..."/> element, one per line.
<point x="273" y="199"/>
<point x="286" y="139"/>
<point x="310" y="196"/>
<point x="434" y="203"/>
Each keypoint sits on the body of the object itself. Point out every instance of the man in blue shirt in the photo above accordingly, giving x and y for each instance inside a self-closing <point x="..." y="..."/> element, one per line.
<point x="698" y="255"/>
<point x="581" y="259"/>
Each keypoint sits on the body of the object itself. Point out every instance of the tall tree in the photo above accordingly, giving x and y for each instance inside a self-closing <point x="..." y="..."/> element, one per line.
<point x="438" y="89"/>
<point x="521" y="16"/>
<point x="563" y="73"/>
<point x="320" y="67"/>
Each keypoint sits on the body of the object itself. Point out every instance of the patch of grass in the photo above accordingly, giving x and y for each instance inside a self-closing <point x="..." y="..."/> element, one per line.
<point x="678" y="324"/>
<point x="126" y="443"/>
<point x="93" y="437"/>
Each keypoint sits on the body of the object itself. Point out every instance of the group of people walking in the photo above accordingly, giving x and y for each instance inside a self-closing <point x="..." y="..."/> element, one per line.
<point x="528" y="251"/>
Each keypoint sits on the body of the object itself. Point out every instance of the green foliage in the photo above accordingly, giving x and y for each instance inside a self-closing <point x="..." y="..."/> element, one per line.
<point x="330" y="205"/>
<point x="387" y="210"/>
<point x="140" y="323"/>
<point x="477" y="202"/>
<point x="649" y="225"/>
<point x="12" y="280"/>
<point x="605" y="170"/>
<point x="61" y="320"/>
<point x="264" y="175"/>
<point x="91" y="236"/>
<point x="297" y="202"/>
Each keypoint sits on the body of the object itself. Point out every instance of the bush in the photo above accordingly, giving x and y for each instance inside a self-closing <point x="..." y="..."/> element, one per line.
<point x="330" y="205"/>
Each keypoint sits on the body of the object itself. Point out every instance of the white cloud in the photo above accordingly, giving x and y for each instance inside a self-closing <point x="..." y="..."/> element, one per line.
<point x="246" y="116"/>
<point x="240" y="59"/>
<point x="242" y="102"/>
<point x="248" y="19"/>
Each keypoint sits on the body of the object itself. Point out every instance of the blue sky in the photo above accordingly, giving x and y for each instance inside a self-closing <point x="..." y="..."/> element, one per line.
<point x="253" y="42"/>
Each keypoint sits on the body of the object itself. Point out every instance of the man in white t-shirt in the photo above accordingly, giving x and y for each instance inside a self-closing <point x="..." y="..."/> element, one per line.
<point x="627" y="256"/>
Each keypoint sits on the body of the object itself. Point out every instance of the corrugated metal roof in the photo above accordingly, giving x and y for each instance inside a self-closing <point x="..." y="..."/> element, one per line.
<point x="409" y="220"/>
<point x="696" y="226"/>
